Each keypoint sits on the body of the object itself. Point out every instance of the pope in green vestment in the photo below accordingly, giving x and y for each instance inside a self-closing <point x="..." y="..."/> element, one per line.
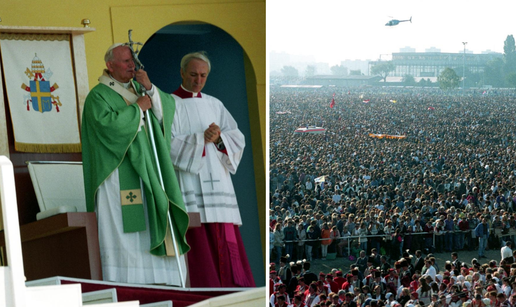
<point x="114" y="140"/>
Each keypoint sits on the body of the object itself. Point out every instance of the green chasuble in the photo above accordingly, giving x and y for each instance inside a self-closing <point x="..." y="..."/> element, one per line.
<point x="110" y="137"/>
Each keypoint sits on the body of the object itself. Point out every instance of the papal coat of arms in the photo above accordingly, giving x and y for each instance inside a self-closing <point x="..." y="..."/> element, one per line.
<point x="40" y="90"/>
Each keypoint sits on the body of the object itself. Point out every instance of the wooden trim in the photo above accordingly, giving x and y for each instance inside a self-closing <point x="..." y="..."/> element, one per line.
<point x="25" y="29"/>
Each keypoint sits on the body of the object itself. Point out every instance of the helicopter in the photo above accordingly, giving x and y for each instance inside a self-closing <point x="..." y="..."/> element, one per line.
<point x="395" y="22"/>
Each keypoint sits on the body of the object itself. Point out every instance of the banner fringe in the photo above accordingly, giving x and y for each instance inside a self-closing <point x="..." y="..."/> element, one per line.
<point x="47" y="148"/>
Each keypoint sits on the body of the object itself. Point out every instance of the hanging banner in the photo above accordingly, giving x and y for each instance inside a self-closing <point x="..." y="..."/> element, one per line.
<point x="386" y="136"/>
<point x="40" y="85"/>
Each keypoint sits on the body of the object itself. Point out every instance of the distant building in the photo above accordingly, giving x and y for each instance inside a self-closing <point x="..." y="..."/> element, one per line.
<point x="407" y="50"/>
<point x="432" y="49"/>
<point x="321" y="68"/>
<point x="362" y="65"/>
<point x="277" y="60"/>
<point x="488" y="51"/>
<point x="431" y="64"/>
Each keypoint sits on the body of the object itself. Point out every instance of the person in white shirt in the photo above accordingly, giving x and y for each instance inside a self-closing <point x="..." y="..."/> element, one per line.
<point x="506" y="251"/>
<point x="308" y="185"/>
<point x="430" y="270"/>
<point x="336" y="197"/>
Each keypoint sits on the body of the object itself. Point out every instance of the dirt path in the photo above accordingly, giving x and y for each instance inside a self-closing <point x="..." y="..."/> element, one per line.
<point x="343" y="264"/>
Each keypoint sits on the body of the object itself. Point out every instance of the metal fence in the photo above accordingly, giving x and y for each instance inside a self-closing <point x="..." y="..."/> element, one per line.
<point x="497" y="233"/>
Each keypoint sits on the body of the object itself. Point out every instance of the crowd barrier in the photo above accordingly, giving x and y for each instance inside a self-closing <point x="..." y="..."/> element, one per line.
<point x="350" y="239"/>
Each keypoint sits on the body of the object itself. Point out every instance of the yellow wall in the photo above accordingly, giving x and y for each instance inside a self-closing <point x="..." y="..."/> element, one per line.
<point x="244" y="20"/>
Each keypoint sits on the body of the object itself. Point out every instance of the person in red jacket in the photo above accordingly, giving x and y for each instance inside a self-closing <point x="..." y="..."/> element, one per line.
<point x="463" y="226"/>
<point x="334" y="287"/>
<point x="392" y="280"/>
<point x="282" y="292"/>
<point x="339" y="279"/>
<point x="274" y="281"/>
<point x="346" y="286"/>
<point x="301" y="289"/>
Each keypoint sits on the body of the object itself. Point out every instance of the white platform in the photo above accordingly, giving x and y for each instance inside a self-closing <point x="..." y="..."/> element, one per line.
<point x="240" y="297"/>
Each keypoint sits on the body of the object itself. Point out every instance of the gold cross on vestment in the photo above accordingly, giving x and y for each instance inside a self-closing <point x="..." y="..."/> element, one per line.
<point x="131" y="197"/>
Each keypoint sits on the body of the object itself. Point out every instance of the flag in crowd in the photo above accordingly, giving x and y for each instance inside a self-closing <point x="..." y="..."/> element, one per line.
<point x="320" y="179"/>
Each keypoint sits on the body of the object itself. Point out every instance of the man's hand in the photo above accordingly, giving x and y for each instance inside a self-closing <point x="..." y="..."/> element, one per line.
<point x="144" y="102"/>
<point x="212" y="134"/>
<point x="141" y="77"/>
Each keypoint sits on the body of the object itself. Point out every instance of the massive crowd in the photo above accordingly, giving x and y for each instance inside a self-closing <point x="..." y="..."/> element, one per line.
<point x="449" y="185"/>
<point x="412" y="281"/>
